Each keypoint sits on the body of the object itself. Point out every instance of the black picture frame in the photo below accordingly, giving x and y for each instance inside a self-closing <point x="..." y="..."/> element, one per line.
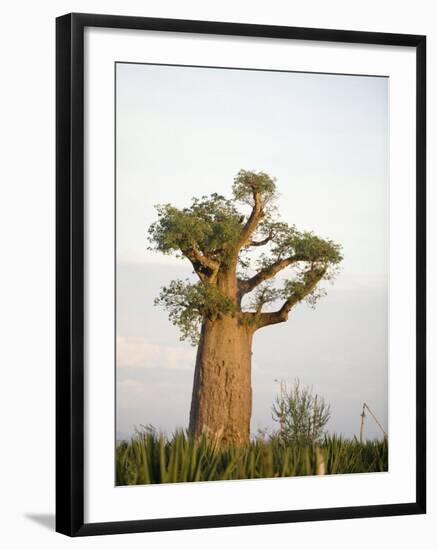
<point x="70" y="273"/>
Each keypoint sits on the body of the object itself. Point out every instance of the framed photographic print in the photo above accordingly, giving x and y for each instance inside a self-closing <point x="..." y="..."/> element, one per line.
<point x="240" y="274"/>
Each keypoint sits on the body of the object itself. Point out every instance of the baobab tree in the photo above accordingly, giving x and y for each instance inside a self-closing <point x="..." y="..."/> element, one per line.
<point x="235" y="295"/>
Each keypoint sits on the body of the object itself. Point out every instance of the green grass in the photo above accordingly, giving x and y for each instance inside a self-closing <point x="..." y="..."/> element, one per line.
<point x="152" y="458"/>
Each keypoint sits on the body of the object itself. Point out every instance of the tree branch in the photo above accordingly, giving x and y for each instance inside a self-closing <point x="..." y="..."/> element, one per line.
<point x="267" y="273"/>
<point x="203" y="259"/>
<point x="280" y="316"/>
<point x="205" y="267"/>
<point x="252" y="223"/>
<point x="259" y="243"/>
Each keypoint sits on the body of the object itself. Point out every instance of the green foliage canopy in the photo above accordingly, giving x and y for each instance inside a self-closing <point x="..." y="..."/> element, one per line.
<point x="218" y="238"/>
<point x="209" y="225"/>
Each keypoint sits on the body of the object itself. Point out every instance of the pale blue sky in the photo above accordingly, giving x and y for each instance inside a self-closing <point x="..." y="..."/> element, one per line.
<point x="184" y="132"/>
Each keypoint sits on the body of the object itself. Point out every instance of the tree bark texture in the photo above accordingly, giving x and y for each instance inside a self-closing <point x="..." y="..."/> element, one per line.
<point x="221" y="404"/>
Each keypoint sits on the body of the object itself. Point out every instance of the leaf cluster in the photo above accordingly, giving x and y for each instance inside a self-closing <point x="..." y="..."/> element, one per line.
<point x="247" y="184"/>
<point x="287" y="242"/>
<point x="210" y="224"/>
<point x="189" y="303"/>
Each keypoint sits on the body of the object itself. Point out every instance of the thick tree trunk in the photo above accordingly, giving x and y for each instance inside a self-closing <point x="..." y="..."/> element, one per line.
<point x="221" y="404"/>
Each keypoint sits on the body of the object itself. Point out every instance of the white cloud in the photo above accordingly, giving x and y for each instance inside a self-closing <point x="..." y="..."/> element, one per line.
<point x="138" y="352"/>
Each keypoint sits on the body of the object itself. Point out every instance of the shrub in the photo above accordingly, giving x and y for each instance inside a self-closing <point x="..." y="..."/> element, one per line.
<point x="302" y="416"/>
